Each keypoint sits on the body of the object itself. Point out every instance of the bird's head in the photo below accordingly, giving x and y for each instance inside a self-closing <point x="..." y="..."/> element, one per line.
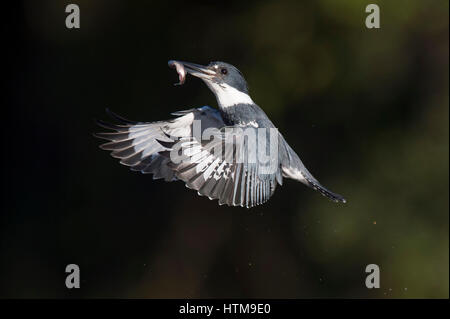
<point x="224" y="80"/>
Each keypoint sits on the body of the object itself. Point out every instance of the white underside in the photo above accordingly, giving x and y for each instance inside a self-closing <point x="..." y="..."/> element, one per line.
<point x="293" y="173"/>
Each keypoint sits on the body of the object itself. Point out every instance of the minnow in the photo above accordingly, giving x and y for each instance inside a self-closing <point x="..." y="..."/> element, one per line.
<point x="180" y="70"/>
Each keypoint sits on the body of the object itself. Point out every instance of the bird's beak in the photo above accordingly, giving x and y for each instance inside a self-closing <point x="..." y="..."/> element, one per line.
<point x="200" y="71"/>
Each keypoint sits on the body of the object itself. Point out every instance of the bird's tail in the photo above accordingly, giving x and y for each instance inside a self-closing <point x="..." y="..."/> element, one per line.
<point x="325" y="192"/>
<point x="293" y="167"/>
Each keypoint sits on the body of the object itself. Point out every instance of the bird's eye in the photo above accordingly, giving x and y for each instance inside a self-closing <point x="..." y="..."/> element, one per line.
<point x="224" y="71"/>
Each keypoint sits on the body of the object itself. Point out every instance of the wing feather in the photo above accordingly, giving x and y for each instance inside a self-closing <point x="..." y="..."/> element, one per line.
<point x="139" y="145"/>
<point x="228" y="175"/>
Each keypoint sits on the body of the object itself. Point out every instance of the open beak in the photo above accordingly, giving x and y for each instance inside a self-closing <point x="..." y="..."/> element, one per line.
<point x="200" y="71"/>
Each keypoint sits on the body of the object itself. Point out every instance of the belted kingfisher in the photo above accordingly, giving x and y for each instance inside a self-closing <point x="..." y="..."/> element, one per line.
<point x="147" y="146"/>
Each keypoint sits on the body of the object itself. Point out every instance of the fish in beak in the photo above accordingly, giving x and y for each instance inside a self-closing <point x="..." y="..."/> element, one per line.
<point x="183" y="68"/>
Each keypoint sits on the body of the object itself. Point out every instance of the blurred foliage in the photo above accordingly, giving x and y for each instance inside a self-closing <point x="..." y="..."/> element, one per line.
<point x="366" y="110"/>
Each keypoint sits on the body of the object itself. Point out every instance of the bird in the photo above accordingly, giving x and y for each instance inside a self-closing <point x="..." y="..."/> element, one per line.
<point x="172" y="150"/>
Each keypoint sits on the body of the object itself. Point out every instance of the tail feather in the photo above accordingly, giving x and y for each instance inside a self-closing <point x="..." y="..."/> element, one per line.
<point x="292" y="167"/>
<point x="325" y="192"/>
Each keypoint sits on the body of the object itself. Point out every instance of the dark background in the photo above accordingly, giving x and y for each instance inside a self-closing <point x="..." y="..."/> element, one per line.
<point x="366" y="110"/>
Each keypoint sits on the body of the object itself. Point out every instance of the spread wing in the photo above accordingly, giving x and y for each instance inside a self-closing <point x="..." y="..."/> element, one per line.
<point x="227" y="166"/>
<point x="135" y="143"/>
